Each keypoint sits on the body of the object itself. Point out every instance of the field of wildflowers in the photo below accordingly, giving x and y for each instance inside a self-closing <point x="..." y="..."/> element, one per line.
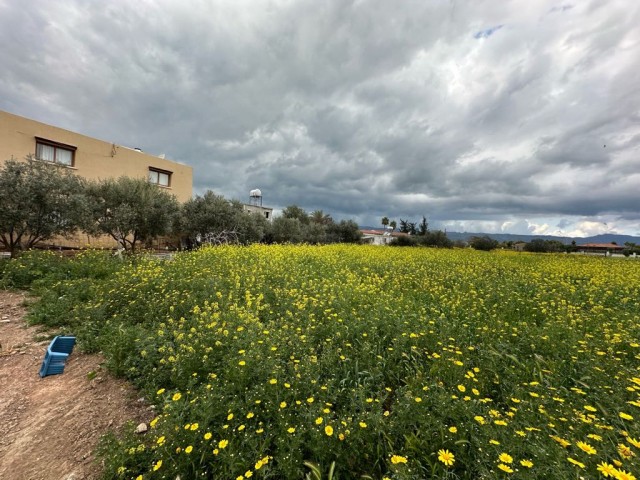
<point x="378" y="362"/>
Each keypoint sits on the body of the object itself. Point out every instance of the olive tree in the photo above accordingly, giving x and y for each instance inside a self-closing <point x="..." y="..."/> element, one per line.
<point x="38" y="201"/>
<point x="130" y="210"/>
<point x="213" y="216"/>
<point x="485" y="243"/>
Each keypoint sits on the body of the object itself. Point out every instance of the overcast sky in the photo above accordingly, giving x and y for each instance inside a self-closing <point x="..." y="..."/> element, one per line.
<point x="517" y="116"/>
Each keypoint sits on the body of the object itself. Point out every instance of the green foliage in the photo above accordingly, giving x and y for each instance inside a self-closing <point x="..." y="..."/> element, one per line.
<point x="345" y="231"/>
<point x="297" y="213"/>
<point x="423" y="227"/>
<point x="319" y="217"/>
<point x="211" y="216"/>
<point x="130" y="210"/>
<point x="38" y="201"/>
<point x="295" y="226"/>
<point x="432" y="238"/>
<point x="484" y="243"/>
<point x="630" y="248"/>
<point x="33" y="265"/>
<point x="286" y="230"/>
<point x="540" y="245"/>
<point x="209" y="213"/>
<point x="435" y="238"/>
<point x="413" y="228"/>
<point x="314" y="233"/>
<point x="316" y="472"/>
<point x="370" y="359"/>
<point x="404" y="241"/>
<point x="252" y="227"/>
<point x="64" y="286"/>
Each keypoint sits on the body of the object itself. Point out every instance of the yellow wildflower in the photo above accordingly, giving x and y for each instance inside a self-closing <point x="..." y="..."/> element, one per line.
<point x="585" y="447"/>
<point x="395" y="459"/>
<point x="446" y="457"/>
<point x="505" y="458"/>
<point x="607" y="470"/>
<point x="576" y="462"/>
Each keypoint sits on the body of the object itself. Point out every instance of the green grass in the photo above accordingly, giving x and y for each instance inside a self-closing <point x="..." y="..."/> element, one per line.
<point x="378" y="361"/>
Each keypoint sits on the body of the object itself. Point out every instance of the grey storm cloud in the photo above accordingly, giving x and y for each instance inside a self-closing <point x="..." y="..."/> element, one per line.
<point x="463" y="111"/>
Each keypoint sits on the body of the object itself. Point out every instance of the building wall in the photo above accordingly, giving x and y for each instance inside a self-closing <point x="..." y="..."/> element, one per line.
<point x="94" y="159"/>
<point x="376" y="239"/>
<point x="264" y="211"/>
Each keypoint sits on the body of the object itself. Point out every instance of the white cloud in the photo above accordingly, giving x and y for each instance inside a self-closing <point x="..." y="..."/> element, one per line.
<point x="361" y="109"/>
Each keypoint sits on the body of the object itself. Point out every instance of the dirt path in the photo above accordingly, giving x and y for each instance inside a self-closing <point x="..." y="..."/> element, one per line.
<point x="50" y="426"/>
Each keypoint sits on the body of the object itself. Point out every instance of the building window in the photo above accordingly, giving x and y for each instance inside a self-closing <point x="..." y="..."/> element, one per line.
<point x="159" y="177"/>
<point x="266" y="214"/>
<point x="54" y="152"/>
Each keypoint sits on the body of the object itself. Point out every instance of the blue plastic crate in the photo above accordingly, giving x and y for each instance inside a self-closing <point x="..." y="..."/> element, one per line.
<point x="56" y="355"/>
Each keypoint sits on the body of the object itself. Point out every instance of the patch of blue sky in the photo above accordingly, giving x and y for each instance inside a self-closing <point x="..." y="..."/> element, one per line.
<point x="487" y="32"/>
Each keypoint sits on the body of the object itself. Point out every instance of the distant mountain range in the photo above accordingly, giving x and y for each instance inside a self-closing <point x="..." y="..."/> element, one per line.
<point x="506" y="237"/>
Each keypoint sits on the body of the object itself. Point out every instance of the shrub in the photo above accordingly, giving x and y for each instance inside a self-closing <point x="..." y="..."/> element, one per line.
<point x="540" y="245"/>
<point x="484" y="243"/>
<point x="33" y="265"/>
<point x="403" y="241"/>
<point x="435" y="238"/>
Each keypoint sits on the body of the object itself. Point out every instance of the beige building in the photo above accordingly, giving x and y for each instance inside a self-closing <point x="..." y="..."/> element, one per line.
<point x="90" y="158"/>
<point x="266" y="212"/>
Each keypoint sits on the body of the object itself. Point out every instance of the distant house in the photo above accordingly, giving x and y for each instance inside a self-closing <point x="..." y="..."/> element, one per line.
<point x="519" y="246"/>
<point x="380" y="237"/>
<point x="603" y="248"/>
<point x="266" y="212"/>
<point x="255" y="205"/>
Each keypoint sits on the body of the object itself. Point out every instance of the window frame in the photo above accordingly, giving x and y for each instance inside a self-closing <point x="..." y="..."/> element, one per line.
<point x="159" y="171"/>
<point x="56" y="146"/>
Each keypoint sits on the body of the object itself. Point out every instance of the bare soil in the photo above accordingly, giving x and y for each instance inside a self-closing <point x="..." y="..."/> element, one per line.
<point x="49" y="427"/>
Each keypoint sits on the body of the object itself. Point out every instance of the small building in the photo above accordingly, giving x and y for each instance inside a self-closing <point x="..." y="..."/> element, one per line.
<point x="602" y="248"/>
<point x="255" y="205"/>
<point x="519" y="246"/>
<point x="380" y="237"/>
<point x="266" y="212"/>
